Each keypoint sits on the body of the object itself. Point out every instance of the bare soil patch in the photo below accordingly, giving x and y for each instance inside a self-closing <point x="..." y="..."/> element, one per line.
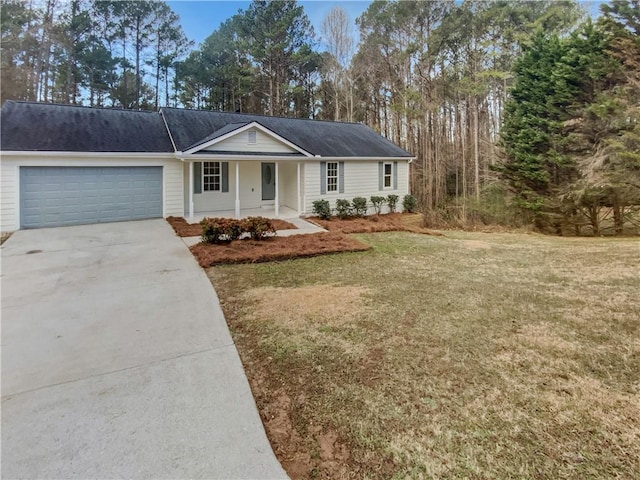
<point x="467" y="356"/>
<point x="186" y="229"/>
<point x="391" y="222"/>
<point x="275" y="248"/>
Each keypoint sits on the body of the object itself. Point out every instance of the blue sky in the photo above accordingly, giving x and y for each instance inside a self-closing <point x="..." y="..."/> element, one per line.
<point x="200" y="18"/>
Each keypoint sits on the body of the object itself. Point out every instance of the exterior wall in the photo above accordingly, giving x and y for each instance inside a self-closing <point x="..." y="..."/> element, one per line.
<point x="360" y="180"/>
<point x="240" y="143"/>
<point x="250" y="190"/>
<point x="10" y="180"/>
<point x="288" y="187"/>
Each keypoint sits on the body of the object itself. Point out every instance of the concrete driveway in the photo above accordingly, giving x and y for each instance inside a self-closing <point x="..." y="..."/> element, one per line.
<point x="117" y="361"/>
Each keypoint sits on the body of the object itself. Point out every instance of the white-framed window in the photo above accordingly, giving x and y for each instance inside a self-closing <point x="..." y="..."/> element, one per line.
<point x="388" y="175"/>
<point x="211" y="176"/>
<point x="332" y="176"/>
<point x="252" y="136"/>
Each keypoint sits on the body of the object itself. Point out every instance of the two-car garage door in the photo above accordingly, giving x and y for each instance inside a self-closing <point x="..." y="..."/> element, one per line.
<point x="58" y="196"/>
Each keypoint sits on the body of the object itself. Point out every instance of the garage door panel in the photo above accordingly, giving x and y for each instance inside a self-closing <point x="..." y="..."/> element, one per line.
<point x="56" y="196"/>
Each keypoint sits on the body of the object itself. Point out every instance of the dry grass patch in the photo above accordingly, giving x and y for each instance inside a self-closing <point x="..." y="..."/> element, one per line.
<point x="4" y="237"/>
<point x="275" y="248"/>
<point x="294" y="308"/>
<point x="468" y="356"/>
<point x="186" y="229"/>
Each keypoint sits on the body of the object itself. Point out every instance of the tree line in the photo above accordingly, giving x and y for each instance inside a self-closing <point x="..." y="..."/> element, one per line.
<point x="515" y="110"/>
<point x="97" y="53"/>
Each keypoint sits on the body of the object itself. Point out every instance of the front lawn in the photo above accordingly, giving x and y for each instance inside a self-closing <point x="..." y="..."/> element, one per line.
<point x="467" y="356"/>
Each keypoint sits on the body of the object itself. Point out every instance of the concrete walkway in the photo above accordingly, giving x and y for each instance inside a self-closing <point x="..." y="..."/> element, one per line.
<point x="117" y="361"/>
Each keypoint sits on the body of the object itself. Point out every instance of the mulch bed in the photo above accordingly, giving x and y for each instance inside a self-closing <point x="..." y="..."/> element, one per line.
<point x="391" y="222"/>
<point x="275" y="248"/>
<point x="186" y="229"/>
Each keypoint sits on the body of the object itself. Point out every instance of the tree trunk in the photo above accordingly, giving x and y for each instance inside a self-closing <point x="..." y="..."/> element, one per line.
<point x="594" y="219"/>
<point x="138" y="48"/>
<point x="476" y="151"/>
<point x="618" y="218"/>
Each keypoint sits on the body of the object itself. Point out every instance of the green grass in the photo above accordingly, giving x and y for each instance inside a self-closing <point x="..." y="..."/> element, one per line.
<point x="465" y="356"/>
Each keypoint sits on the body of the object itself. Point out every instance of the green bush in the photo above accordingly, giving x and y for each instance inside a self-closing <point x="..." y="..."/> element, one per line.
<point x="378" y="202"/>
<point x="409" y="203"/>
<point x="360" y="206"/>
<point x="233" y="229"/>
<point x="220" y="230"/>
<point x="392" y="201"/>
<point x="322" y="209"/>
<point x="258" y="227"/>
<point x="343" y="208"/>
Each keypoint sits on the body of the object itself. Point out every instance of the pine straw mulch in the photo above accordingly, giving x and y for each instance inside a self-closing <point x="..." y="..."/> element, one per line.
<point x="390" y="222"/>
<point x="275" y="248"/>
<point x="186" y="229"/>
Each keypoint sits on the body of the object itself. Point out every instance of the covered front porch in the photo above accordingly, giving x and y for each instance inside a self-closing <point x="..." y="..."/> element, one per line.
<point x="239" y="188"/>
<point x="284" y="213"/>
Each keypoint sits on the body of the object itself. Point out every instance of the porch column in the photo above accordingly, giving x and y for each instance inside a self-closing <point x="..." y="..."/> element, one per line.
<point x="237" y="189"/>
<point x="277" y="212"/>
<point x="190" y="190"/>
<point x="299" y="190"/>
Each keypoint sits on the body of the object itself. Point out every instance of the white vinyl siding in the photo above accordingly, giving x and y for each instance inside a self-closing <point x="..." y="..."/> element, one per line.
<point x="361" y="179"/>
<point x="240" y="143"/>
<point x="288" y="184"/>
<point x="173" y="195"/>
<point x="173" y="203"/>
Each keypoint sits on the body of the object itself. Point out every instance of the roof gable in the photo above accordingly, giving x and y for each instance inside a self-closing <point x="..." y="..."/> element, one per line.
<point x="235" y="137"/>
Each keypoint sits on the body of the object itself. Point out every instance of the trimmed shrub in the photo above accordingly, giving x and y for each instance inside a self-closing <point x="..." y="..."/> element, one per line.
<point x="360" y="206"/>
<point x="233" y="229"/>
<point x="409" y="203"/>
<point x="322" y="209"/>
<point x="343" y="208"/>
<point x="258" y="227"/>
<point x="392" y="201"/>
<point x="378" y="202"/>
<point x="220" y="230"/>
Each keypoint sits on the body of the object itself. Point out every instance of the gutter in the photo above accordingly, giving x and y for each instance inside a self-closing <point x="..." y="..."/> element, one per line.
<point x="230" y="157"/>
<point x="85" y="155"/>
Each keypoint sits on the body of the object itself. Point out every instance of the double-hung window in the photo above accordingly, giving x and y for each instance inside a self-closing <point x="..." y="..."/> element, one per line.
<point x="332" y="176"/>
<point x="211" y="176"/>
<point x="388" y="175"/>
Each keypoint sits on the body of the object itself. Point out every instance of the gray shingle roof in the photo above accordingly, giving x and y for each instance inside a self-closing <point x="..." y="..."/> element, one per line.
<point x="327" y="139"/>
<point x="31" y="126"/>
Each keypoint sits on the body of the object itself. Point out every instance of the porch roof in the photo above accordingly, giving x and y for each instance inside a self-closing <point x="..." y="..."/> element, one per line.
<point x="317" y="137"/>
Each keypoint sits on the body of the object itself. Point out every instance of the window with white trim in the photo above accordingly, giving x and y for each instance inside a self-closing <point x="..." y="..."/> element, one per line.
<point x="252" y="136"/>
<point x="211" y="176"/>
<point x="332" y="176"/>
<point x="388" y="175"/>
